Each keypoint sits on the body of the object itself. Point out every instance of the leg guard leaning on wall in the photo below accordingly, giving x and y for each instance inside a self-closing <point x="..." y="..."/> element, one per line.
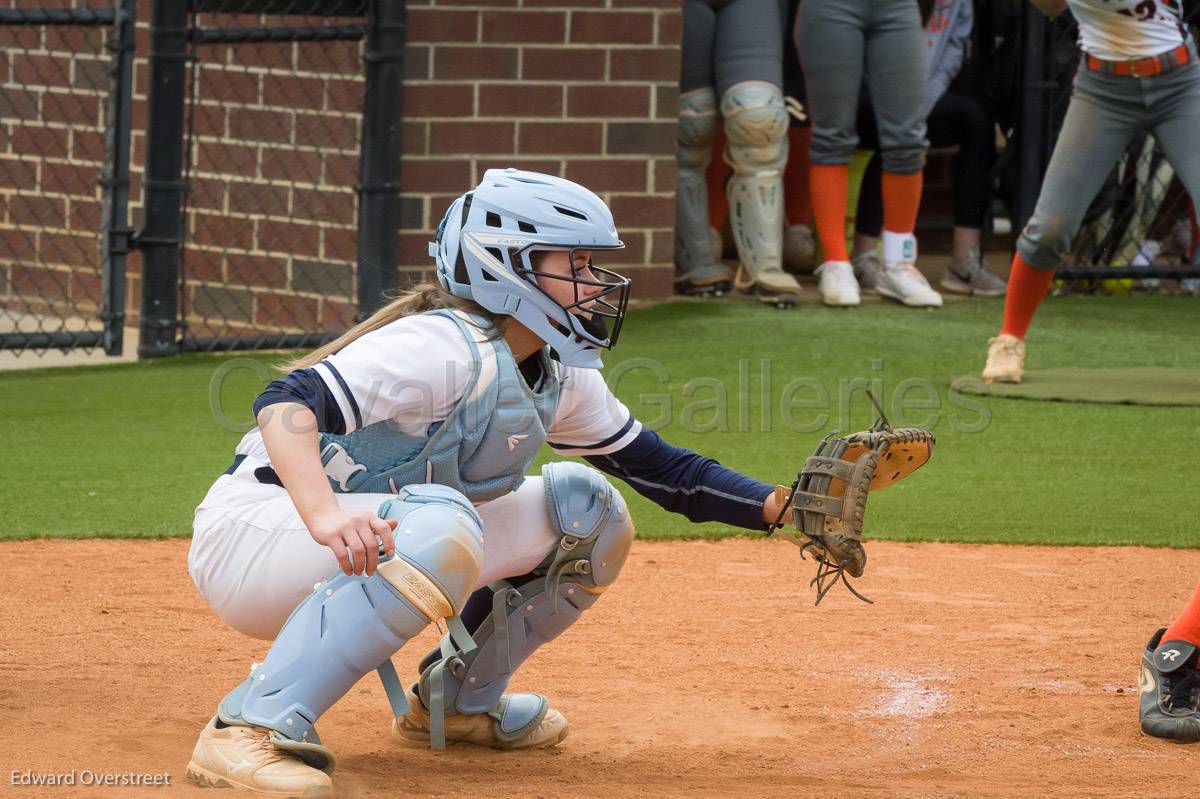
<point x="351" y="625"/>
<point x="596" y="536"/>
<point x="756" y="123"/>
<point x="699" y="267"/>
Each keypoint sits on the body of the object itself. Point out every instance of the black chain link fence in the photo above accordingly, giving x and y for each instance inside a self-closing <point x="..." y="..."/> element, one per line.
<point x="273" y="136"/>
<point x="252" y="122"/>
<point x="1142" y="217"/>
<point x="63" y="174"/>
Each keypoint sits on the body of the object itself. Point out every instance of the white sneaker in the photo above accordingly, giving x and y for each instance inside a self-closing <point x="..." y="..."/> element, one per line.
<point x="838" y="286"/>
<point x="905" y="284"/>
<point x="1005" y="360"/>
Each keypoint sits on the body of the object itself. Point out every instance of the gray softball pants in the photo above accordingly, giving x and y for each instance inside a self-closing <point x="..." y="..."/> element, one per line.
<point x="731" y="41"/>
<point x="1105" y="113"/>
<point x="840" y="39"/>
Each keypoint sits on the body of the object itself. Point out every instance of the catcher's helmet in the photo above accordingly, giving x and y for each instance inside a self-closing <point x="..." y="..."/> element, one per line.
<point x="483" y="250"/>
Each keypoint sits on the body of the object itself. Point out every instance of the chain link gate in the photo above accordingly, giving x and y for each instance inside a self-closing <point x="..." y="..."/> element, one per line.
<point x="65" y="100"/>
<point x="1141" y="225"/>
<point x="281" y="243"/>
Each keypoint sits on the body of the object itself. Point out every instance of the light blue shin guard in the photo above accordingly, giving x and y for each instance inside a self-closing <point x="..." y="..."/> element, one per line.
<point x="351" y="625"/>
<point x="596" y="537"/>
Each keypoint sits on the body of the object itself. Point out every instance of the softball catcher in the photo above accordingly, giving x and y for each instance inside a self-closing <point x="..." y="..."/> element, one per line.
<point x="1138" y="73"/>
<point x="386" y="489"/>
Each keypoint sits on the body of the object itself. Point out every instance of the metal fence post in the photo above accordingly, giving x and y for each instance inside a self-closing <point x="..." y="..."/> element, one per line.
<point x="1033" y="133"/>
<point x="379" y="166"/>
<point x="115" y="178"/>
<point x="159" y="238"/>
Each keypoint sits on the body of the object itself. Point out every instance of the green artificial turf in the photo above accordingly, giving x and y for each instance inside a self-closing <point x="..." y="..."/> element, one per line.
<point x="129" y="450"/>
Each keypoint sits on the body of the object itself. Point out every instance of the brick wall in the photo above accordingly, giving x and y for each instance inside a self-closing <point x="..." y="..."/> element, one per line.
<point x="584" y="89"/>
<point x="272" y="210"/>
<point x="52" y="88"/>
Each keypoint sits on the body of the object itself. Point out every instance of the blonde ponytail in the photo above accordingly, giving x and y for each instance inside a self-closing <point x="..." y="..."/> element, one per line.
<point x="418" y="299"/>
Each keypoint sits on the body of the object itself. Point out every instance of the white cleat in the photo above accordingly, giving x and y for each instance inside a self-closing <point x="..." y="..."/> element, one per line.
<point x="905" y="284"/>
<point x="1005" y="360"/>
<point x="837" y="285"/>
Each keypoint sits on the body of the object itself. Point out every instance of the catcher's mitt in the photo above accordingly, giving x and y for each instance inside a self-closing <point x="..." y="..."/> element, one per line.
<point x="829" y="496"/>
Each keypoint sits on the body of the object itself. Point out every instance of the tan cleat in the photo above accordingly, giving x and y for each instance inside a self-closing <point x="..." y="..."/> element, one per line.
<point x="539" y="725"/>
<point x="1005" y="360"/>
<point x="244" y="757"/>
<point x="771" y="286"/>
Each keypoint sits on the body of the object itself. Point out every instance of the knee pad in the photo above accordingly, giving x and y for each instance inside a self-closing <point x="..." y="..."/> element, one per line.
<point x="756" y="123"/>
<point x="597" y="534"/>
<point x="697" y="128"/>
<point x="353" y="624"/>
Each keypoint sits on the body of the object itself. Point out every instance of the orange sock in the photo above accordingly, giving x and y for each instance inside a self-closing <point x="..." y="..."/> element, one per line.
<point x="1187" y="626"/>
<point x="901" y="201"/>
<point x="797" y="204"/>
<point x="717" y="176"/>
<point x="1026" y="290"/>
<point x="830" y="189"/>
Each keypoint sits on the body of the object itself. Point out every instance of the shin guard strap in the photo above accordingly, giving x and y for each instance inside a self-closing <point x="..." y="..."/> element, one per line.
<point x="393" y="688"/>
<point x="505" y="597"/>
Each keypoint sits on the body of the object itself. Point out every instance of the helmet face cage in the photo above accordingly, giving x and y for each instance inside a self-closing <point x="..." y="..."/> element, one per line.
<point x="484" y="248"/>
<point x="589" y="312"/>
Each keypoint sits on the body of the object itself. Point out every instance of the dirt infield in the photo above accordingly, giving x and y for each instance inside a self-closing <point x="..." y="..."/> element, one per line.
<point x="705" y="671"/>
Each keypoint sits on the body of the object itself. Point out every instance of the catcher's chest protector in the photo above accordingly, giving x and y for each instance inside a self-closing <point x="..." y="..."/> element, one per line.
<point x="483" y="450"/>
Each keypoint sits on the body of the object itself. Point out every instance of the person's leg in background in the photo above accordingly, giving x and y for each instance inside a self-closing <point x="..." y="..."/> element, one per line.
<point x="799" y="246"/>
<point x="829" y="36"/>
<point x="1104" y="113"/>
<point x="749" y="81"/>
<point x="1175" y="131"/>
<point x="717" y="176"/>
<point x="896" y="77"/>
<point x="962" y="120"/>
<point x="698" y="269"/>
<point x="868" y="218"/>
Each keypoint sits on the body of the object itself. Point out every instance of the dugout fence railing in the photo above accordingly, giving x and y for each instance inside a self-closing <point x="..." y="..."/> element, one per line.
<point x="262" y="208"/>
<point x="65" y="99"/>
<point x="288" y="174"/>
<point x="1141" y="225"/>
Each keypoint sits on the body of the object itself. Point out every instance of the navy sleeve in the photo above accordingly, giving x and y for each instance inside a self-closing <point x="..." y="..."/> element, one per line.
<point x="306" y="387"/>
<point x="684" y="482"/>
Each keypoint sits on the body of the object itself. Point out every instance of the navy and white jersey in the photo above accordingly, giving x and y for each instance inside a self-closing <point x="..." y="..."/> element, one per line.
<point x="1120" y="30"/>
<point x="412" y="373"/>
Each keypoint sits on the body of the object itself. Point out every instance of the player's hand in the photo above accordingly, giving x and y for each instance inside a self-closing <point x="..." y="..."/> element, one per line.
<point x="351" y="535"/>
